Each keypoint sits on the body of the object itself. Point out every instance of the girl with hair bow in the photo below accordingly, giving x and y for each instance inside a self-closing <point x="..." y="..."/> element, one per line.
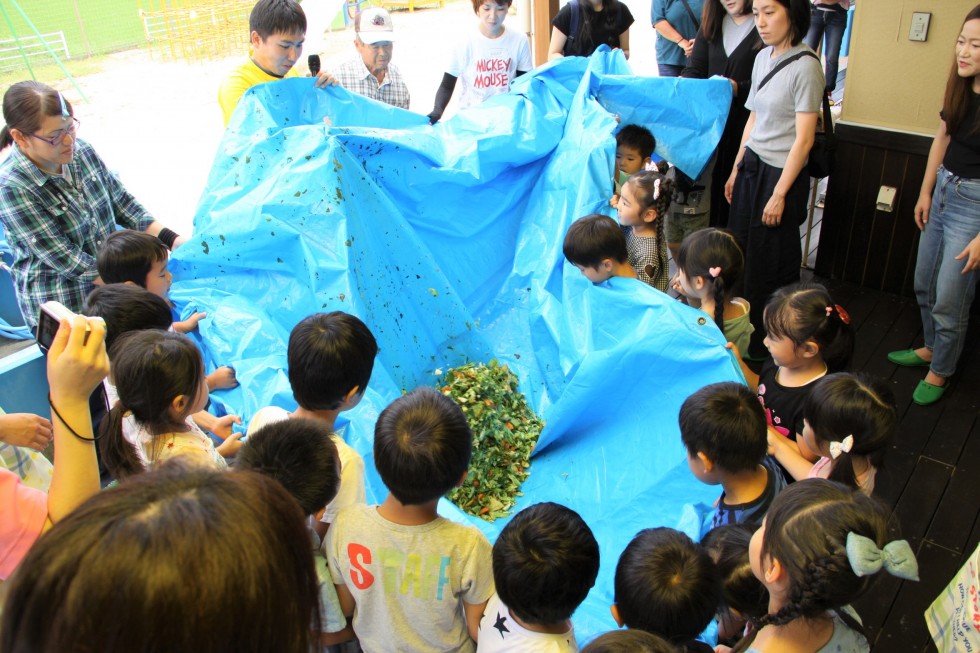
<point x="849" y="420"/>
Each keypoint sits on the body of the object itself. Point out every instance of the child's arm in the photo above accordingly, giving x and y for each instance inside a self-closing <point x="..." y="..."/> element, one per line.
<point x="188" y="325"/>
<point x="219" y="426"/>
<point x="339" y="637"/>
<point x="473" y="613"/>
<point x="750" y="377"/>
<point x="222" y="378"/>
<point x="787" y="453"/>
<point x="347" y="600"/>
<point x="230" y="446"/>
<point x="25" y="430"/>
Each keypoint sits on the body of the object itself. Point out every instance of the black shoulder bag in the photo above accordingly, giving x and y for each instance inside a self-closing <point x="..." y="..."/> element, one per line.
<point x="820" y="162"/>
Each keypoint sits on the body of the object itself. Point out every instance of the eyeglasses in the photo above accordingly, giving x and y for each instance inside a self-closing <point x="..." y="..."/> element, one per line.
<point x="59" y="136"/>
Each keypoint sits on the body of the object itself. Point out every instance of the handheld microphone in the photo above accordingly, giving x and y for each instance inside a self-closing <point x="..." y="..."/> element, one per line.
<point x="313" y="61"/>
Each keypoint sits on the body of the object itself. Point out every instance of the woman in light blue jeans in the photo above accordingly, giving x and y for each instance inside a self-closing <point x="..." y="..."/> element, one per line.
<point x="948" y="214"/>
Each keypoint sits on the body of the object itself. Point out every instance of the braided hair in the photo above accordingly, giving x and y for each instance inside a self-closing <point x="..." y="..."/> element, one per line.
<point x="713" y="255"/>
<point x="651" y="195"/>
<point x="806" y="530"/>
<point x="804" y="312"/>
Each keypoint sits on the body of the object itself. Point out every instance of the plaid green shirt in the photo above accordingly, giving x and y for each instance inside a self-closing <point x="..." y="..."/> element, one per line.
<point x="55" y="225"/>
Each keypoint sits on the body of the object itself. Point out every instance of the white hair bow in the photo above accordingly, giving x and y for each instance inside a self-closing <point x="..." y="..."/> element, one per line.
<point x="656" y="189"/>
<point x="837" y="448"/>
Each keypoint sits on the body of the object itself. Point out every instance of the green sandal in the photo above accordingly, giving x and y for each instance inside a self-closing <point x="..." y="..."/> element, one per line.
<point x="927" y="394"/>
<point x="908" y="358"/>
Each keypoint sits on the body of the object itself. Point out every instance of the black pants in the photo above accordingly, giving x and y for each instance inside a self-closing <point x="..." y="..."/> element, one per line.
<point x="772" y="254"/>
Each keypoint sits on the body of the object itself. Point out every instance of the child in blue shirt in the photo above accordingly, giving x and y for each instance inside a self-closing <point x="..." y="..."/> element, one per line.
<point x="724" y="429"/>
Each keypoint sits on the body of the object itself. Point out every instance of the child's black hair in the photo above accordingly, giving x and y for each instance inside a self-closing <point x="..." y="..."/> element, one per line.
<point x="172" y="554"/>
<point x="298" y="453"/>
<point x="329" y="354"/>
<point x="545" y="561"/>
<point x="127" y="308"/>
<point x="637" y="138"/>
<point x="128" y="255"/>
<point x="270" y="17"/>
<point x="422" y="446"/>
<point x="713" y="255"/>
<point x="667" y="585"/>
<point x="594" y="238"/>
<point x="726" y="422"/>
<point x="819" y="575"/>
<point x="630" y="641"/>
<point x="652" y="189"/>
<point x="150" y="369"/>
<point x="841" y="405"/>
<point x="804" y="312"/>
<point x="741" y="591"/>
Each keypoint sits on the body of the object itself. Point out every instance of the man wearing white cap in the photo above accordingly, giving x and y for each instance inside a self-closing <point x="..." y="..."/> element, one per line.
<point x="372" y="74"/>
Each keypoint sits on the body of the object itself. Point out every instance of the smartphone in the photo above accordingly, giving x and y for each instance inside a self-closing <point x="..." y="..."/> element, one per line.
<point x="49" y="319"/>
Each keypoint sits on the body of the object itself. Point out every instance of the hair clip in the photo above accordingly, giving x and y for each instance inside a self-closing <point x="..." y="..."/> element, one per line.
<point x="844" y="446"/>
<point x="844" y="317"/>
<point x="656" y="189"/>
<point x="866" y="558"/>
<point x="714" y="272"/>
<point x="64" y="106"/>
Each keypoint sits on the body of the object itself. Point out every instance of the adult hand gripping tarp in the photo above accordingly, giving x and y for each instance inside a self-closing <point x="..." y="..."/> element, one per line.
<point x="446" y="241"/>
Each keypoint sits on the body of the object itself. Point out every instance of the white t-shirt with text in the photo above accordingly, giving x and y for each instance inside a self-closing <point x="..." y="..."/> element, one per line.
<point x="486" y="67"/>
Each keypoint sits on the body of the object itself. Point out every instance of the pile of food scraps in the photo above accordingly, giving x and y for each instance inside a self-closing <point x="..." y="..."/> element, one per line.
<point x="505" y="431"/>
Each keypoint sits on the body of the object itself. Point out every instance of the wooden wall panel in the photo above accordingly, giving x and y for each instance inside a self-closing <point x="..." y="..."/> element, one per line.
<point x="874" y="249"/>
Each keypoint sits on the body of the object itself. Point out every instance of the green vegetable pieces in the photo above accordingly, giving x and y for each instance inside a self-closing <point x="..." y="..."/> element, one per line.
<point x="505" y="431"/>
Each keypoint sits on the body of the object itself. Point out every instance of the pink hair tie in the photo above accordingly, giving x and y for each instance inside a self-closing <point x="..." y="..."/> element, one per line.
<point x="714" y="272"/>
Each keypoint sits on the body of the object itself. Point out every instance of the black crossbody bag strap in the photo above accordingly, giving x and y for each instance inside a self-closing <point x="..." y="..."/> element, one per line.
<point x="783" y="64"/>
<point x="697" y="23"/>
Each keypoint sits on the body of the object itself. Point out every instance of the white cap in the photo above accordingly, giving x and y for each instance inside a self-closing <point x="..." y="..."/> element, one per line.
<point x="373" y="25"/>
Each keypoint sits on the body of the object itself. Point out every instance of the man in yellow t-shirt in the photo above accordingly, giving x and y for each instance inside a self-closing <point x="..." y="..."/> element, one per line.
<point x="278" y="29"/>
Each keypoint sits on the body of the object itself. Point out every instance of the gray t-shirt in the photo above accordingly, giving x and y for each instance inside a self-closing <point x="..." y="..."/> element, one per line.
<point x="409" y="582"/>
<point x="797" y="88"/>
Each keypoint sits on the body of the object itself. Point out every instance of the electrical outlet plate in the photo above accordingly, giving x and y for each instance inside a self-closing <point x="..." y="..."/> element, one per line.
<point x="920" y="26"/>
<point x="886" y="199"/>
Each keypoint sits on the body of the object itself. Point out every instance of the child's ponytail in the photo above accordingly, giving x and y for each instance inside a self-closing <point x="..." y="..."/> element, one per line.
<point x="805" y="312"/>
<point x="150" y="369"/>
<point x="715" y="256"/>
<point x="118" y="454"/>
<point x="856" y="415"/>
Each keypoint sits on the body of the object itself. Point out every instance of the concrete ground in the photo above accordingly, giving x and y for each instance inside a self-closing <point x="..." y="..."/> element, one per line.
<point x="157" y="122"/>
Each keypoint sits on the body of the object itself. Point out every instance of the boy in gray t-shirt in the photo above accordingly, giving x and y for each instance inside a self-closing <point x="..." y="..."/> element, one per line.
<point x="412" y="580"/>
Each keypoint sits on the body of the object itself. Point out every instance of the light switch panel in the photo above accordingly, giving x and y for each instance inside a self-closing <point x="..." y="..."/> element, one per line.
<point x="920" y="26"/>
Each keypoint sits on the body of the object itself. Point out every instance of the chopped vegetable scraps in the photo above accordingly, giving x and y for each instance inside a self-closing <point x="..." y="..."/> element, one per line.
<point x="505" y="431"/>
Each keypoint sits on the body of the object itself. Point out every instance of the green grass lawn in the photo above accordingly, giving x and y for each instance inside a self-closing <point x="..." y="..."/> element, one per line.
<point x="90" y="26"/>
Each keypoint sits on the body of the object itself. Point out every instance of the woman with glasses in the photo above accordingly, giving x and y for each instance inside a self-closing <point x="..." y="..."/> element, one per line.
<point x="58" y="201"/>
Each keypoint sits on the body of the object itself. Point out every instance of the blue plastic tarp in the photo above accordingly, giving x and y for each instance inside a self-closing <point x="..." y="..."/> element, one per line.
<point x="446" y="241"/>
